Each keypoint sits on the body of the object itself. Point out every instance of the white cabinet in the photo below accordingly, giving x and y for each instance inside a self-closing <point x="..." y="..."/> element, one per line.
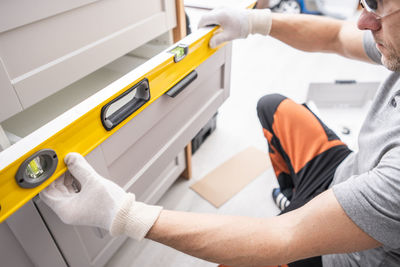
<point x="145" y="157"/>
<point x="56" y="61"/>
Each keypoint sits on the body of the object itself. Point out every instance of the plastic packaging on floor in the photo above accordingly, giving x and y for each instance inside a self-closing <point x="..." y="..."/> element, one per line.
<point x="342" y="106"/>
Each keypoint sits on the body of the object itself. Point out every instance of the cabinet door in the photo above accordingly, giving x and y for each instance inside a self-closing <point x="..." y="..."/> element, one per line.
<point x="90" y="246"/>
<point x="33" y="244"/>
<point x="81" y="245"/>
<point x="11" y="252"/>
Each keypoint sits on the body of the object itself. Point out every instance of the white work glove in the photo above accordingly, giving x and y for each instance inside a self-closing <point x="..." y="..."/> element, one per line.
<point x="99" y="203"/>
<point x="236" y="23"/>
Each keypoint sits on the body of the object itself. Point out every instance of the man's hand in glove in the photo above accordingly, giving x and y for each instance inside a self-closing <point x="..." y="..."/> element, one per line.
<point x="99" y="202"/>
<point x="236" y="23"/>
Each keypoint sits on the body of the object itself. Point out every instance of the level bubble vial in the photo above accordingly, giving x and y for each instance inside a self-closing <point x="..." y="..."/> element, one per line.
<point x="35" y="168"/>
<point x="180" y="52"/>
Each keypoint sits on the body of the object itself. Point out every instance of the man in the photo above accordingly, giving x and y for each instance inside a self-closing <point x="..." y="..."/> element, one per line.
<point x="344" y="205"/>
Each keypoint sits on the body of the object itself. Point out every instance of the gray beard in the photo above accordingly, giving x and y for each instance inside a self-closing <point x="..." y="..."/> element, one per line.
<point x="392" y="63"/>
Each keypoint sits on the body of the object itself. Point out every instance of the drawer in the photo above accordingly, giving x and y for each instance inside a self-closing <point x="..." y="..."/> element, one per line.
<point x="152" y="133"/>
<point x="169" y="121"/>
<point x="46" y="47"/>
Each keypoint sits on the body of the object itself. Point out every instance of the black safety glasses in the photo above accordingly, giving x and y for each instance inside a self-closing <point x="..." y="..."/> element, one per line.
<point x="379" y="7"/>
<point x="370" y="5"/>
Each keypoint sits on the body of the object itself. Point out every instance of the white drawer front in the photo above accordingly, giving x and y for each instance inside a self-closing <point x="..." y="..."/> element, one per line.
<point x="15" y="14"/>
<point x="45" y="56"/>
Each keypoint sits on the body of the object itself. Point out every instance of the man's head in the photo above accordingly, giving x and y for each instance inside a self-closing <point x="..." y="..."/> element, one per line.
<point x="382" y="18"/>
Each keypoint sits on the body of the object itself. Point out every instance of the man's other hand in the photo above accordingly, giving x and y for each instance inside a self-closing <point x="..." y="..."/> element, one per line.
<point x="236" y="23"/>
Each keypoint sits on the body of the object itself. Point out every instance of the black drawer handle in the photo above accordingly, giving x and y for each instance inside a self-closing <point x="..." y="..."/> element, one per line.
<point x="182" y="84"/>
<point x="116" y="111"/>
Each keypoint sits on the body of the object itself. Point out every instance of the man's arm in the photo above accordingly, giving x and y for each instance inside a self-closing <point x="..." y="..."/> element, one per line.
<point x="320" y="227"/>
<point x="319" y="34"/>
<point x="305" y="32"/>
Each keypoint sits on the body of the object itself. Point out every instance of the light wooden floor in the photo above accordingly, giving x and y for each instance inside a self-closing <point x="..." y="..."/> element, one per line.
<point x="260" y="66"/>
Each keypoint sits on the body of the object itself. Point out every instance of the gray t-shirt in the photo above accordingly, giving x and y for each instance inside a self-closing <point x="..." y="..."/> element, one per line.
<point x="367" y="182"/>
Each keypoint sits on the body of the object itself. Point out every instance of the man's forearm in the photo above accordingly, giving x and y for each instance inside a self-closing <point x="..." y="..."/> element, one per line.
<point x="306" y="32"/>
<point x="223" y="239"/>
<point x="319" y="34"/>
<point x="318" y="228"/>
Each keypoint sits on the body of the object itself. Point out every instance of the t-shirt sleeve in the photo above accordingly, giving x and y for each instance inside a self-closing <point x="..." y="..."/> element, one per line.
<point x="372" y="200"/>
<point x="370" y="48"/>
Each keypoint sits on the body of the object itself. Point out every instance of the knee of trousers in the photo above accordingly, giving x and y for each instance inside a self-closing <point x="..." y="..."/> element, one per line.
<point x="266" y="107"/>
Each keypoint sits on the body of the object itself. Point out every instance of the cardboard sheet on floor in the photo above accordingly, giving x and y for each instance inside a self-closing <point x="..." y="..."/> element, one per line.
<point x="229" y="178"/>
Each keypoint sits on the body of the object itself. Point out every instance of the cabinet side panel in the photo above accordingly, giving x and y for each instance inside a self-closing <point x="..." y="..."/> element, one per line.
<point x="9" y="103"/>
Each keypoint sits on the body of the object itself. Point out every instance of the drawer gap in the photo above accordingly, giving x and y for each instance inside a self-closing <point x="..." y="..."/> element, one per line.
<point x="32" y="118"/>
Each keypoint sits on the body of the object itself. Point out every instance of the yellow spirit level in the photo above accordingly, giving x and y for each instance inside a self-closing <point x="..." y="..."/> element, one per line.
<point x="32" y="164"/>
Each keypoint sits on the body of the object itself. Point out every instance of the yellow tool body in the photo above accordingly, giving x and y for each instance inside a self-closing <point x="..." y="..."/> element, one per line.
<point x="87" y="132"/>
